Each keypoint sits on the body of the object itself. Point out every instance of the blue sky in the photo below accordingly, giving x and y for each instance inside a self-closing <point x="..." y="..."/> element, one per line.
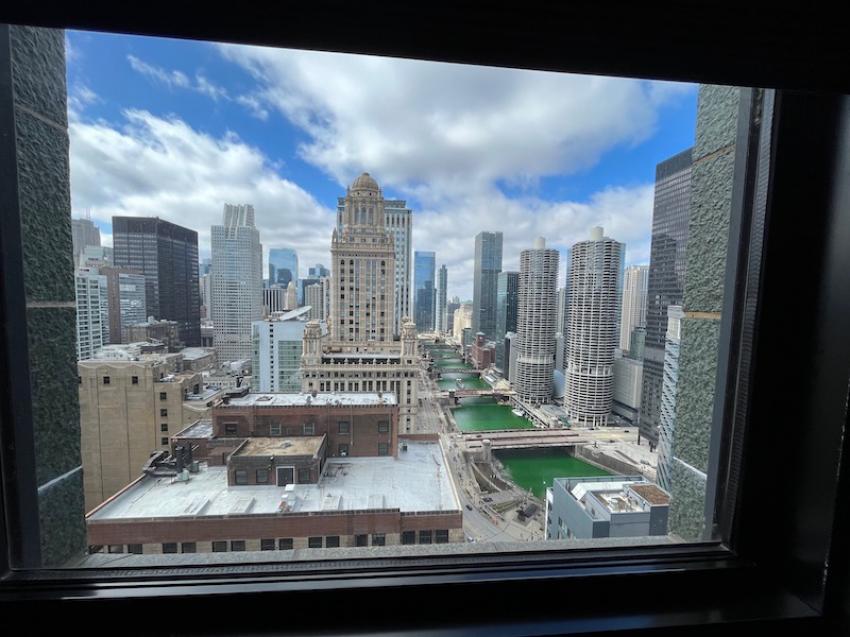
<point x="178" y="128"/>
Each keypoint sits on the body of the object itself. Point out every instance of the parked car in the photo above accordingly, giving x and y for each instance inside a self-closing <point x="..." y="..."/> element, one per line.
<point x="469" y="506"/>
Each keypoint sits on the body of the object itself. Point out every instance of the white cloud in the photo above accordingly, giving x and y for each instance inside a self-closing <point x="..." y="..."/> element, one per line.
<point x="170" y="78"/>
<point x="162" y="167"/>
<point x="440" y="130"/>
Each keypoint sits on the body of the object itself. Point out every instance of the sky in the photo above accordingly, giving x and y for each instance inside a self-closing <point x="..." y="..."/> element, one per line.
<point x="176" y="129"/>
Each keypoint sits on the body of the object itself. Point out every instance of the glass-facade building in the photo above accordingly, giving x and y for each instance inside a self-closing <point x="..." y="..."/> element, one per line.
<point x="283" y="266"/>
<point x="167" y="255"/>
<point x="424" y="290"/>
<point x="488" y="265"/>
<point x="667" y="260"/>
<point x="506" y="311"/>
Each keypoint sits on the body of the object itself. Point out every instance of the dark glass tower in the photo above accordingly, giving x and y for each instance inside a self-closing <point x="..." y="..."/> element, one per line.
<point x="507" y="299"/>
<point x="670" y="216"/>
<point x="488" y="264"/>
<point x="167" y="255"/>
<point x="424" y="290"/>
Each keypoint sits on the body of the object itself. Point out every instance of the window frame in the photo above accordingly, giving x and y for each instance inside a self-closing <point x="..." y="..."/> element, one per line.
<point x="723" y="569"/>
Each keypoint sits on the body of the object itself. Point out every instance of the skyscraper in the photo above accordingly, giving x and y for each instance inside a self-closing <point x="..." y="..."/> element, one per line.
<point x="283" y="266"/>
<point x="488" y="264"/>
<point x="665" y="287"/>
<point x="398" y="222"/>
<point x="537" y="306"/>
<point x="318" y="271"/>
<point x="91" y="295"/>
<point x="442" y="284"/>
<point x="291" y="296"/>
<point x="592" y="328"/>
<point x="167" y="255"/>
<point x="237" y="281"/>
<point x="126" y="294"/>
<point x="668" y="394"/>
<point x="83" y="233"/>
<point x="424" y="291"/>
<point x="634" y="303"/>
<point x="507" y="304"/>
<point x="360" y="354"/>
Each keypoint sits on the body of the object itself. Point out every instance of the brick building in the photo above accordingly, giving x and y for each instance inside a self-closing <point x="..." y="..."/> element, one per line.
<point x="482" y="353"/>
<point x="282" y="471"/>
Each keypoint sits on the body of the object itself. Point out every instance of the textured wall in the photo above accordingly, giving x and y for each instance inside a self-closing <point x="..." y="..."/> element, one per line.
<point x="41" y="143"/>
<point x="711" y="201"/>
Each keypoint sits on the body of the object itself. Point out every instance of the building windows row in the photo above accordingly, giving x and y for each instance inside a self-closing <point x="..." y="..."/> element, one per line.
<point x="440" y="536"/>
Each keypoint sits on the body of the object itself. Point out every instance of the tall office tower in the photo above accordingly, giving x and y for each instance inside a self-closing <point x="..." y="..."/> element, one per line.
<point x="488" y="264"/>
<point x="318" y="271"/>
<point x="668" y="394"/>
<point x="360" y="353"/>
<point x="278" y="342"/>
<point x="91" y="298"/>
<point x="507" y="302"/>
<point x="303" y="284"/>
<point x="315" y="299"/>
<point x="205" y="285"/>
<point x="462" y="320"/>
<point x="398" y="221"/>
<point x="665" y="287"/>
<point x="634" y="303"/>
<point x="237" y="281"/>
<point x="83" y="233"/>
<point x="291" y="296"/>
<point x="283" y="266"/>
<point x="442" y="284"/>
<point x="592" y="328"/>
<point x="424" y="290"/>
<point x="204" y="266"/>
<point x="126" y="293"/>
<point x="167" y="255"/>
<point x="536" y="309"/>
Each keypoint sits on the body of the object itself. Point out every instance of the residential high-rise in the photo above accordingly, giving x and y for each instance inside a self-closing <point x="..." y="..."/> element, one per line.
<point x="424" y="290"/>
<point x="83" y="233"/>
<point x="167" y="255"/>
<point x="91" y="298"/>
<point x="398" y="222"/>
<point x="236" y="282"/>
<point x="668" y="394"/>
<point x="126" y="294"/>
<point x="283" y="266"/>
<point x="361" y="354"/>
<point x="507" y="303"/>
<point x="634" y="303"/>
<point x="488" y="264"/>
<point x="278" y="343"/>
<point x="536" y="309"/>
<point x="315" y="298"/>
<point x="442" y="285"/>
<point x="665" y="287"/>
<point x="592" y="328"/>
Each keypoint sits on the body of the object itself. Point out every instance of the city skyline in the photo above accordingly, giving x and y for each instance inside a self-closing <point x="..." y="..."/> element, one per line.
<point x="196" y="105"/>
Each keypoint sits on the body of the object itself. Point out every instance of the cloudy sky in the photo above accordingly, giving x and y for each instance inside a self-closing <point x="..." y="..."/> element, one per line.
<point x="176" y="129"/>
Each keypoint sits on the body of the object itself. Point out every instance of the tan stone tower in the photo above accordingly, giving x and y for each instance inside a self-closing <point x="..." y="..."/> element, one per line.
<point x="363" y="270"/>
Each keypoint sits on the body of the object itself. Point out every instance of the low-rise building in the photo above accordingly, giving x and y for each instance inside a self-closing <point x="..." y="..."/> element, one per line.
<point x="271" y="472"/>
<point x="198" y="359"/>
<point x="607" y="506"/>
<point x="167" y="332"/>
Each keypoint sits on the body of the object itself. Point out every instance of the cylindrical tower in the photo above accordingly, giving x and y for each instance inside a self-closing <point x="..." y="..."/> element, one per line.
<point x="538" y="295"/>
<point x="593" y="317"/>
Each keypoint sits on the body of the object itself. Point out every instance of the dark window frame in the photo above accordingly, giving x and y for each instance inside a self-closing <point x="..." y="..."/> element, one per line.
<point x="723" y="570"/>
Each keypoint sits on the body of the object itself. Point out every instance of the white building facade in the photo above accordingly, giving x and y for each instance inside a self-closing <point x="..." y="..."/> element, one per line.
<point x="536" y="318"/>
<point x="278" y="343"/>
<point x="592" y="328"/>
<point x="92" y="313"/>
<point x="237" y="282"/>
<point x="635" y="283"/>
<point x="668" y="394"/>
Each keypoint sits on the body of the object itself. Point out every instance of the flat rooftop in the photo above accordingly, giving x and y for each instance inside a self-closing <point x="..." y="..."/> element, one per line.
<point x="195" y="353"/>
<point x="200" y="429"/>
<point x="305" y="399"/>
<point x="295" y="446"/>
<point x="651" y="493"/>
<point x="417" y="480"/>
